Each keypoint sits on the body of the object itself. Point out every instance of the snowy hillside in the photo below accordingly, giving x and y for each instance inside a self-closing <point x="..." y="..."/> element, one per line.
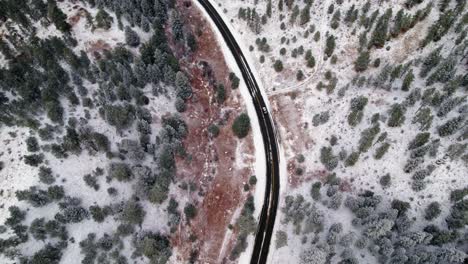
<point x="370" y="100"/>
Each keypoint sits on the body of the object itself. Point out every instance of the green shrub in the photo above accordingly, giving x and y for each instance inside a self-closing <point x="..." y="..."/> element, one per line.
<point x="330" y="45"/>
<point x="385" y="181"/>
<point x="253" y="180"/>
<point x="380" y="151"/>
<point x="401" y="206"/>
<point x="235" y="81"/>
<point x="99" y="214"/>
<point x="103" y="20"/>
<point x="278" y="66"/>
<point x="432" y="211"/>
<point x="220" y="93"/>
<point x="120" y="171"/>
<point x="315" y="191"/>
<point x="407" y="81"/>
<point x="419" y="140"/>
<point x="32" y="144"/>
<point x="367" y="138"/>
<point x="397" y="115"/>
<point x="91" y="181"/>
<point x="133" y="213"/>
<point x="34" y="159"/>
<point x="362" y="62"/>
<point x="45" y="175"/>
<point x="450" y="127"/>
<point x="352" y="159"/>
<point x="241" y="125"/>
<point x="190" y="211"/>
<point x="120" y="116"/>
<point x="213" y="129"/>
<point x="327" y="158"/>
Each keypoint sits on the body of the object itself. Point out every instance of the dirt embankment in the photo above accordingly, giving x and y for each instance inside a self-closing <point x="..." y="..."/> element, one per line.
<point x="214" y="164"/>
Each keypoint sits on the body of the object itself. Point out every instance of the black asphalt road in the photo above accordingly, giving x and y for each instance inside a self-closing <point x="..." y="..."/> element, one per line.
<point x="270" y="205"/>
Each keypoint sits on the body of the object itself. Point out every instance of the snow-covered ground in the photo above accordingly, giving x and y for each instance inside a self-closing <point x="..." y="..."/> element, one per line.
<point x="284" y="87"/>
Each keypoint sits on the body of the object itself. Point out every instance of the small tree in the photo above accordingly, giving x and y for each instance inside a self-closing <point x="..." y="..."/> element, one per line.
<point x="241" y="125"/>
<point x="190" y="211"/>
<point x="120" y="171"/>
<point x="133" y="213"/>
<point x="278" y="66"/>
<point x="407" y="81"/>
<point x="103" y="19"/>
<point x="131" y="37"/>
<point x="213" y="129"/>
<point x="330" y="45"/>
<point x="432" y="211"/>
<point x="32" y="144"/>
<point x="362" y="62"/>
<point x="397" y="115"/>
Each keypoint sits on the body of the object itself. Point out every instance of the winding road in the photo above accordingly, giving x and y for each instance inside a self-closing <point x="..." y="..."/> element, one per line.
<point x="270" y="142"/>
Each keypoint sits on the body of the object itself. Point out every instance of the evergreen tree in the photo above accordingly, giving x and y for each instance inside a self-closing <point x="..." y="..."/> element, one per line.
<point x="305" y="15"/>
<point x="362" y="62"/>
<point x="131" y="37"/>
<point x="409" y="78"/>
<point x="56" y="15"/>
<point x="330" y="45"/>
<point x="379" y="35"/>
<point x="103" y="19"/>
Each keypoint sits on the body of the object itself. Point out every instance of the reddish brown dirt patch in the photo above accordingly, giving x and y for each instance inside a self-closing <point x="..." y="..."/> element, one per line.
<point x="288" y="110"/>
<point x="212" y="164"/>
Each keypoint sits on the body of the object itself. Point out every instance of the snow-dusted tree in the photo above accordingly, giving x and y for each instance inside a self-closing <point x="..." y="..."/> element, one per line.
<point x="362" y="61"/>
<point x="177" y="26"/>
<point x="169" y="76"/>
<point x="378" y="228"/>
<point x="444" y="72"/>
<point x="184" y="89"/>
<point x="330" y="45"/>
<point x="407" y="81"/>
<point x="450" y="255"/>
<point x="131" y="37"/>
<point x="430" y="62"/>
<point x="314" y="255"/>
<point x="451" y="126"/>
<point x="103" y="19"/>
<point x="379" y="35"/>
<point x="333" y="233"/>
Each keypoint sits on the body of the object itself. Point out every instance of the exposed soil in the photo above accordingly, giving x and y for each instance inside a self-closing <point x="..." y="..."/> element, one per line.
<point x="288" y="110"/>
<point x="212" y="163"/>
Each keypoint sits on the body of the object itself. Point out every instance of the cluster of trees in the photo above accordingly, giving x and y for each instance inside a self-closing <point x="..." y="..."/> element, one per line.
<point x="47" y="74"/>
<point x="246" y="225"/>
<point x="385" y="232"/>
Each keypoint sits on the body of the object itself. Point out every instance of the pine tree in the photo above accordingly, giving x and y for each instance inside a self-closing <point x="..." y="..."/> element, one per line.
<point x="268" y="9"/>
<point x="379" y="36"/>
<point x="57" y="16"/>
<point x="305" y="15"/>
<point x="444" y="72"/>
<point x="362" y="61"/>
<point x="103" y="19"/>
<point x="335" y="21"/>
<point x="409" y="78"/>
<point x="177" y="27"/>
<point x="430" y="62"/>
<point x="184" y="90"/>
<point x="131" y="37"/>
<point x="330" y="45"/>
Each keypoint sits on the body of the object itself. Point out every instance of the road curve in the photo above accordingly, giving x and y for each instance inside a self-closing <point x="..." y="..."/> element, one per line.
<point x="270" y="142"/>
